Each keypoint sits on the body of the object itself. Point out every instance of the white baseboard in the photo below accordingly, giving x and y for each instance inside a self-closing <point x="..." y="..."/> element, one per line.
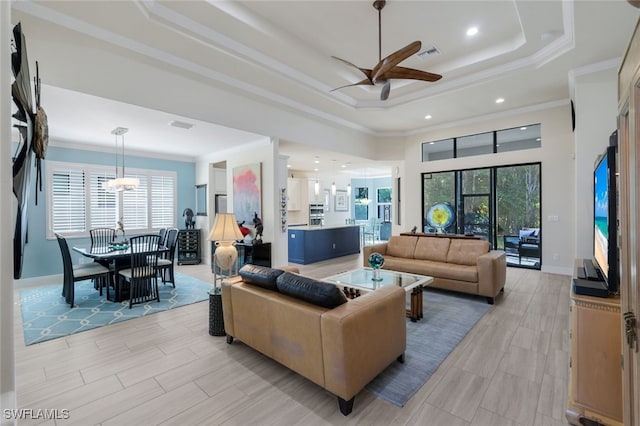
<point x="38" y="281"/>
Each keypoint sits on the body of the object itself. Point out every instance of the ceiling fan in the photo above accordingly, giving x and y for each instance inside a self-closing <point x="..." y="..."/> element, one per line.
<point x="388" y="68"/>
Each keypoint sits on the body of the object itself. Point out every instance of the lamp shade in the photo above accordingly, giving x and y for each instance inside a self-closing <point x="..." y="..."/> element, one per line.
<point x="225" y="228"/>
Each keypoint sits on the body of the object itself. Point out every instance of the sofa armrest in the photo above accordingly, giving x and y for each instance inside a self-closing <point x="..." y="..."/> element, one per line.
<point x="361" y="338"/>
<point x="227" y="307"/>
<point x="492" y="273"/>
<point x="367" y="250"/>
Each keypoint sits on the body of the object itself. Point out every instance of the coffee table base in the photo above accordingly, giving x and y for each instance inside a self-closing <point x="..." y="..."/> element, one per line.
<point x="415" y="313"/>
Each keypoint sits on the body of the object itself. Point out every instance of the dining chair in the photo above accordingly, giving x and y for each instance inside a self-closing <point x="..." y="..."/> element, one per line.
<point x="74" y="273"/>
<point x="100" y="240"/>
<point x="372" y="230"/>
<point x="163" y="235"/>
<point x="166" y="260"/>
<point x="102" y="237"/>
<point x="142" y="276"/>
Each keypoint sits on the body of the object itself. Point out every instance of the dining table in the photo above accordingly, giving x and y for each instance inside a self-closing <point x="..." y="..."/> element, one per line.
<point x="117" y="257"/>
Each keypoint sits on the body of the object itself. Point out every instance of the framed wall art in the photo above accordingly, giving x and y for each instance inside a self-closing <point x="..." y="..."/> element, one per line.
<point x="341" y="202"/>
<point x="247" y="191"/>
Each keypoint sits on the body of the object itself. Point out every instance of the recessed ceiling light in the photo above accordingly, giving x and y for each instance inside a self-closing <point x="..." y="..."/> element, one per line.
<point x="288" y="166"/>
<point x="427" y="117"/>
<point x="538" y="139"/>
<point x="523" y="128"/>
<point x="499" y="100"/>
<point x="343" y="166"/>
<point x="316" y="162"/>
<point x="472" y="31"/>
<point x="315" y="170"/>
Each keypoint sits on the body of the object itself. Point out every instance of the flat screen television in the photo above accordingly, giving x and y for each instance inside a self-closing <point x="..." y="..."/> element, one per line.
<point x="605" y="245"/>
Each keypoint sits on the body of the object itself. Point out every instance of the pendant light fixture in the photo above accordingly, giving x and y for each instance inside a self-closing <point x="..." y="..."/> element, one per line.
<point x="120" y="183"/>
<point x="333" y="184"/>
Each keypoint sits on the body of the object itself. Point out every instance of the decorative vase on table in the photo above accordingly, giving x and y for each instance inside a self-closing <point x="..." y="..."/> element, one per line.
<point x="376" y="260"/>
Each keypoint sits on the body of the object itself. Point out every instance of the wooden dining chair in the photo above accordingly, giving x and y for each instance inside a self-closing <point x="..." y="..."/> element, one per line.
<point x="163" y="236"/>
<point x="142" y="276"/>
<point x="102" y="237"/>
<point x="100" y="240"/>
<point x="166" y="261"/>
<point x="74" y="273"/>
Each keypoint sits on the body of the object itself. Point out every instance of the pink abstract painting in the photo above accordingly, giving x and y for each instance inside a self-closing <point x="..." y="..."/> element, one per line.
<point x="246" y="192"/>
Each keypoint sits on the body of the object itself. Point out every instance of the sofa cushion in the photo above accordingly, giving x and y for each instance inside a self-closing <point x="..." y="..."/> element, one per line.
<point x="261" y="276"/>
<point x="432" y="248"/>
<point x="402" y="246"/>
<point x="313" y="291"/>
<point x="466" y="251"/>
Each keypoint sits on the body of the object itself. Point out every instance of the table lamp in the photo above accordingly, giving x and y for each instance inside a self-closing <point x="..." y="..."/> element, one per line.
<point x="225" y="232"/>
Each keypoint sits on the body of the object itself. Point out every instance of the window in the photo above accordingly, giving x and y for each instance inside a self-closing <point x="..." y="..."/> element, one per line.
<point x="523" y="137"/>
<point x="479" y="144"/>
<point x="77" y="201"/>
<point x="437" y="150"/>
<point x="496" y="203"/>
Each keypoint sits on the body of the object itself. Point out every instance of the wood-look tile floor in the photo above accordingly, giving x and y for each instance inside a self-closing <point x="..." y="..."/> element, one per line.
<point x="511" y="369"/>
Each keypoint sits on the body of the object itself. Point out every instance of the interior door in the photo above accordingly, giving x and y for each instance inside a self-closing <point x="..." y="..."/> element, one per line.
<point x="629" y="166"/>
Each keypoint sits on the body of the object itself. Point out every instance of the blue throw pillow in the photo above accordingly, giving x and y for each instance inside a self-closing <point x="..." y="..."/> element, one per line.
<point x="313" y="291"/>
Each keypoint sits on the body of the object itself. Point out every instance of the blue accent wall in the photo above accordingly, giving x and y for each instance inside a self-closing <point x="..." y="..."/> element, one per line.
<point x="42" y="256"/>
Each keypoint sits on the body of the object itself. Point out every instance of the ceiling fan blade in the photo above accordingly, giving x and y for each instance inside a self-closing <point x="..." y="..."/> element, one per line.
<point x="394" y="59"/>
<point x="364" y="71"/>
<point x="411" y="74"/>
<point x="361" y="82"/>
<point x="386" y="89"/>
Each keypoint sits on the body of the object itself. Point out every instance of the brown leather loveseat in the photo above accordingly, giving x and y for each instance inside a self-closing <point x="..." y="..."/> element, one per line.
<point x="460" y="264"/>
<point x="340" y="348"/>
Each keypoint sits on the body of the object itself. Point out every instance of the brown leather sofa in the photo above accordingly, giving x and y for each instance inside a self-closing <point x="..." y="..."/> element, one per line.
<point x="341" y="349"/>
<point x="460" y="264"/>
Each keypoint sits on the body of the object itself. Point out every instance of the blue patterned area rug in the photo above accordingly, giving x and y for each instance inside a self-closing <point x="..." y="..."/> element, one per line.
<point x="46" y="316"/>
<point x="448" y="317"/>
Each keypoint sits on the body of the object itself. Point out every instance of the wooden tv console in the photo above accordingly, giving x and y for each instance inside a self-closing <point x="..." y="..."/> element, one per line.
<point x="595" y="373"/>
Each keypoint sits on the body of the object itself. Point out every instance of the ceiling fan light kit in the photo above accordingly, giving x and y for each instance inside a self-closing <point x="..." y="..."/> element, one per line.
<point x="387" y="68"/>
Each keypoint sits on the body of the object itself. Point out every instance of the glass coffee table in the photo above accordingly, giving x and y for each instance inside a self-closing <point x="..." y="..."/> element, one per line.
<point x="359" y="281"/>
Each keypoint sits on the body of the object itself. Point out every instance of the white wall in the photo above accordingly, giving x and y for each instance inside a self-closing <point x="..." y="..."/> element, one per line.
<point x="331" y="217"/>
<point x="273" y="178"/>
<point x="7" y="212"/>
<point x="596" y="111"/>
<point x="558" y="179"/>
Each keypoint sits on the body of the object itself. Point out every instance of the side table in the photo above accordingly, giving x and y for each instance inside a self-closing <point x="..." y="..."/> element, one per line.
<point x="216" y="318"/>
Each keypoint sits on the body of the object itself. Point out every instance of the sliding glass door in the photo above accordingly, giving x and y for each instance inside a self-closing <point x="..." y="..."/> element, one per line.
<point x="518" y="214"/>
<point x="499" y="204"/>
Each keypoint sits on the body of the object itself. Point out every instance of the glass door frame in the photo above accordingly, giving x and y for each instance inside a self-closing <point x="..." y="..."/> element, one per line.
<point x="492" y="196"/>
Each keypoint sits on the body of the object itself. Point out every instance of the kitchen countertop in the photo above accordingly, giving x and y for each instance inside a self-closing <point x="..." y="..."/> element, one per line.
<point x="318" y="227"/>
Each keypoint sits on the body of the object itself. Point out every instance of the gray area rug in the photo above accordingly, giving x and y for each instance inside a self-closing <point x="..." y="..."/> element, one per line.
<point x="448" y="317"/>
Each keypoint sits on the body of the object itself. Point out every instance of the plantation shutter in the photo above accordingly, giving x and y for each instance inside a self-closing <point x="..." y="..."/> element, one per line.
<point x="135" y="210"/>
<point x="68" y="207"/>
<point x="103" y="205"/>
<point x="162" y="201"/>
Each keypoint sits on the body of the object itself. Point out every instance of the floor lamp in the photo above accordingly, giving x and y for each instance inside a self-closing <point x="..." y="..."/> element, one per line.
<point x="225" y="233"/>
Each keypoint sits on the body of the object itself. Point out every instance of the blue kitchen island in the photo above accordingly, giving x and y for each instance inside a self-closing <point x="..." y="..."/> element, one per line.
<point x="310" y="244"/>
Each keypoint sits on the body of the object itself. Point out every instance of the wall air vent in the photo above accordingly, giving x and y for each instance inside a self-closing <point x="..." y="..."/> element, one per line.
<point x="180" y="124"/>
<point x="427" y="52"/>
